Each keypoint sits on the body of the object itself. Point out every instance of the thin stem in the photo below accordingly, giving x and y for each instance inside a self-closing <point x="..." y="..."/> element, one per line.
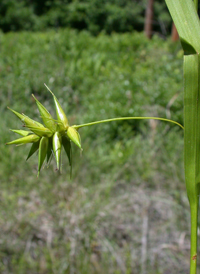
<point x="193" y="249"/>
<point x="127" y="118"/>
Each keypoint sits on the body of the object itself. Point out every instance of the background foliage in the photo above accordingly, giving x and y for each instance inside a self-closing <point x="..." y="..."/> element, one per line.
<point x="92" y="15"/>
<point x="128" y="186"/>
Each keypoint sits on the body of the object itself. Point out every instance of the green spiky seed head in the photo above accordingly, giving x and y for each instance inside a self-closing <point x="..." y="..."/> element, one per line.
<point x="49" y="138"/>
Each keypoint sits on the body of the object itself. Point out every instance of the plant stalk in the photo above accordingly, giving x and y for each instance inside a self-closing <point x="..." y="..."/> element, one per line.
<point x="127" y="118"/>
<point x="193" y="250"/>
<point x="192" y="145"/>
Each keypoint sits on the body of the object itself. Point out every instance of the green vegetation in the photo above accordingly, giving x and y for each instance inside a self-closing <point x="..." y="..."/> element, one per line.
<point x="130" y="178"/>
<point x="186" y="19"/>
<point x="91" y="15"/>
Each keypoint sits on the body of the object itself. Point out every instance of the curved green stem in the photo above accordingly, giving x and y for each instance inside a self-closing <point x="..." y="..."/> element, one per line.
<point x="127" y="118"/>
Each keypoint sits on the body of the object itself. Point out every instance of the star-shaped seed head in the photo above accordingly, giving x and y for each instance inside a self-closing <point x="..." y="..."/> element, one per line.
<point x="48" y="139"/>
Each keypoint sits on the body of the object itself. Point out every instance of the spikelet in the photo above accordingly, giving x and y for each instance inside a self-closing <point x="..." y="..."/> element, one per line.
<point x="49" y="138"/>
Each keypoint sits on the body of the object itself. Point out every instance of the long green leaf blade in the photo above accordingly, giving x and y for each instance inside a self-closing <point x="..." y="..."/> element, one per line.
<point x="191" y="126"/>
<point x="185" y="17"/>
<point x="192" y="145"/>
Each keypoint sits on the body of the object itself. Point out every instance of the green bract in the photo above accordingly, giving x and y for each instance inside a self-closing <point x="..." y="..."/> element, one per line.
<point x="50" y="138"/>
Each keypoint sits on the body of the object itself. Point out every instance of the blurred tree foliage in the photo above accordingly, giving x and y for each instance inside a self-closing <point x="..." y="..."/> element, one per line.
<point x="93" y="15"/>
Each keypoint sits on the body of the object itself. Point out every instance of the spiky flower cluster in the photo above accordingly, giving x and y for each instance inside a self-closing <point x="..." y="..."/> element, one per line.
<point x="48" y="139"/>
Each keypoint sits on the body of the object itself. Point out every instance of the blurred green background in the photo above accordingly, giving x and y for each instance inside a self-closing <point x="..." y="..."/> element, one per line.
<point x="92" y="15"/>
<point x="125" y="209"/>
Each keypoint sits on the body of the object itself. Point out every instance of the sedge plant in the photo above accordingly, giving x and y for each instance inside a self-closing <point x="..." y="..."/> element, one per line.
<point x="48" y="139"/>
<point x="185" y="17"/>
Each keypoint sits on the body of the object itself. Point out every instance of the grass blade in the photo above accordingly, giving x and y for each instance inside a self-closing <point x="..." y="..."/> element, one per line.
<point x="185" y="17"/>
<point x="191" y="145"/>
